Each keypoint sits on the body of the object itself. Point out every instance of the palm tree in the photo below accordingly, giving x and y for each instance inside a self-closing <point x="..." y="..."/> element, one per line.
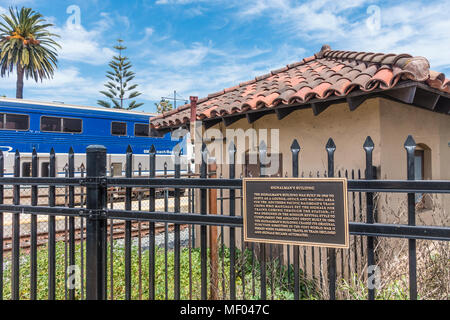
<point x="27" y="45"/>
<point x="163" y="106"/>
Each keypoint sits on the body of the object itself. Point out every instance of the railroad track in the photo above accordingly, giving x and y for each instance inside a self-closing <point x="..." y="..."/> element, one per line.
<point x="63" y="235"/>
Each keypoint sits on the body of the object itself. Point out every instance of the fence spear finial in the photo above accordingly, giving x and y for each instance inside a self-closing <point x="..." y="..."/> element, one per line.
<point x="410" y="143"/>
<point x="331" y="146"/>
<point x="295" y="146"/>
<point x="129" y="149"/>
<point x="368" y="144"/>
<point x="231" y="152"/>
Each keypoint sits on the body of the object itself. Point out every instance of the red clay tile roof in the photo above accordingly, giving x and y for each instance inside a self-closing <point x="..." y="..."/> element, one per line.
<point x="327" y="73"/>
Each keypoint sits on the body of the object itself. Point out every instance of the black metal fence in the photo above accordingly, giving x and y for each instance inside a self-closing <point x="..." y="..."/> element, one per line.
<point x="171" y="259"/>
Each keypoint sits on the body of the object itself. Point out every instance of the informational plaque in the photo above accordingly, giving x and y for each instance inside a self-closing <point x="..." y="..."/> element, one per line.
<point x="297" y="211"/>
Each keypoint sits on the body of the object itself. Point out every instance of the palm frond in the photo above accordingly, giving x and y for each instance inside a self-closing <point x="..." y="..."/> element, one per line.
<point x="26" y="41"/>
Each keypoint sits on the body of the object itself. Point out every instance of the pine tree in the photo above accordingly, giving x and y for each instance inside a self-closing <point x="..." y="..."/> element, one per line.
<point x="118" y="89"/>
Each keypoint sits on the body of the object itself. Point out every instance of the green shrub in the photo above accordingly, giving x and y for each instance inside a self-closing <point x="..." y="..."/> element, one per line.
<point x="283" y="289"/>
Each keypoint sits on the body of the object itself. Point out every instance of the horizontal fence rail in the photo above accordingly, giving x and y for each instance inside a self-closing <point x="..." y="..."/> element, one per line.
<point x="399" y="186"/>
<point x="356" y="228"/>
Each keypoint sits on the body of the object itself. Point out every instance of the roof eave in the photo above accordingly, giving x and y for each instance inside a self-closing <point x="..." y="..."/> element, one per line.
<point x="410" y="92"/>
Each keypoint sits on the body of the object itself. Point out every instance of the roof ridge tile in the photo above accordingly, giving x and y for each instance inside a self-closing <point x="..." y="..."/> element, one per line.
<point x="401" y="56"/>
<point x="328" y="72"/>
<point x="216" y="94"/>
<point x="264" y="76"/>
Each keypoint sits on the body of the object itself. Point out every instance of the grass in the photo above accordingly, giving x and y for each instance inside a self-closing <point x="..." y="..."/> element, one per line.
<point x="356" y="289"/>
<point x="247" y="277"/>
<point x="283" y="289"/>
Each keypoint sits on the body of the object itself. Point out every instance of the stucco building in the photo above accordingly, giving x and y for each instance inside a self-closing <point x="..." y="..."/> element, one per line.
<point x="344" y="95"/>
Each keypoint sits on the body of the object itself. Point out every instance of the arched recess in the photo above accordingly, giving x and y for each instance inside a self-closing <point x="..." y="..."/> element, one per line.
<point x="422" y="162"/>
<point x="423" y="171"/>
<point x="251" y="167"/>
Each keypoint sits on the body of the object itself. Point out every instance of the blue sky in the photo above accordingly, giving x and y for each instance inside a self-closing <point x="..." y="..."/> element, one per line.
<point x="199" y="47"/>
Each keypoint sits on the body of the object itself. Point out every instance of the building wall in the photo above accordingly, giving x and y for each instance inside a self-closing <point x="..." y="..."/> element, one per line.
<point x="397" y="121"/>
<point x="348" y="129"/>
<point x="431" y="131"/>
<point x="387" y="122"/>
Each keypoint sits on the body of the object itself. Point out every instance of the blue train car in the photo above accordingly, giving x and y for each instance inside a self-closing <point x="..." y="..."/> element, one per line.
<point x="25" y="125"/>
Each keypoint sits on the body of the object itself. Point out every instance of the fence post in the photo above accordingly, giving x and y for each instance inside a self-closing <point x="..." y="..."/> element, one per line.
<point x="2" y="167"/>
<point x="152" y="198"/>
<point x="71" y="219"/>
<point x="15" y="263"/>
<point x="52" y="231"/>
<point x="295" y="149"/>
<point x="166" y="235"/>
<point x="232" y="175"/>
<point x="128" y="205"/>
<point x="331" y="148"/>
<point x="410" y="146"/>
<point x="176" y="227"/>
<point x="33" y="231"/>
<point x="95" y="224"/>
<point x="368" y="148"/>
<point x="262" y="245"/>
<point x="203" y="230"/>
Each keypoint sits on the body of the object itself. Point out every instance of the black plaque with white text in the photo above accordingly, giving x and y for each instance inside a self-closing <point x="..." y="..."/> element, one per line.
<point x="297" y="211"/>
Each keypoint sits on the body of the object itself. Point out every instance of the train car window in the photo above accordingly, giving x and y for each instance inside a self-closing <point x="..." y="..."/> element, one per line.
<point x="72" y="125"/>
<point x="153" y="132"/>
<point x="141" y="130"/>
<point x="2" y="119"/>
<point x="67" y="125"/>
<point x="51" y="124"/>
<point x="15" y="122"/>
<point x="118" y="128"/>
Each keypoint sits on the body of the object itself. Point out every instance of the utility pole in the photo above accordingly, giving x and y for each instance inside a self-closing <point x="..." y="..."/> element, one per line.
<point x="174" y="99"/>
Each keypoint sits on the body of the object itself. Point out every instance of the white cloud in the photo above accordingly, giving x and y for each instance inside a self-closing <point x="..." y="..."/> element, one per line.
<point x="67" y="85"/>
<point x="182" y="2"/>
<point x="203" y="69"/>
<point x="16" y="3"/>
<point x="149" y="32"/>
<point x="411" y="27"/>
<point x="415" y="27"/>
<point x="79" y="44"/>
<point x="194" y="12"/>
<point x="184" y="57"/>
<point x="255" y="8"/>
